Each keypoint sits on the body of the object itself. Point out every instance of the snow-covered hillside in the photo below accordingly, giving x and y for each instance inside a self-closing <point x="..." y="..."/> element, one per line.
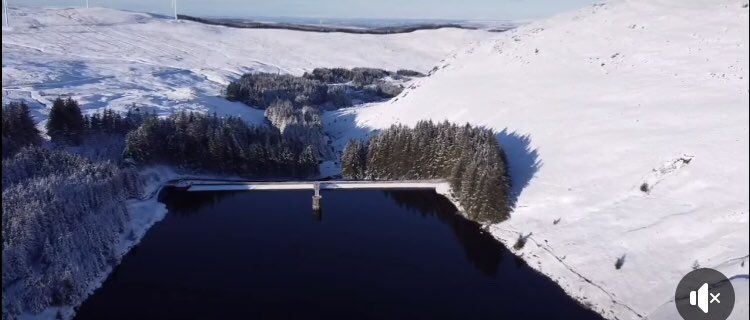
<point x="110" y="58"/>
<point x="625" y="124"/>
<point x="591" y="105"/>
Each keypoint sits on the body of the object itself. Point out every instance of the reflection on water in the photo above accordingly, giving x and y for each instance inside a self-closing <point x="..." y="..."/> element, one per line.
<point x="318" y="214"/>
<point x="187" y="203"/>
<point x="479" y="246"/>
<point x="374" y="255"/>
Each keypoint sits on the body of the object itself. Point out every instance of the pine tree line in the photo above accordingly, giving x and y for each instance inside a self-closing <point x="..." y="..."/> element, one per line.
<point x="468" y="157"/>
<point x="105" y="134"/>
<point x="109" y="121"/>
<point x="322" y="87"/>
<point x="99" y="136"/>
<point x="62" y="210"/>
<point x="304" y="125"/>
<point x="358" y="76"/>
<point x="263" y="89"/>
<point x="62" y="214"/>
<point x="67" y="124"/>
<point x="19" y="129"/>
<point x="220" y="145"/>
<point x="189" y="140"/>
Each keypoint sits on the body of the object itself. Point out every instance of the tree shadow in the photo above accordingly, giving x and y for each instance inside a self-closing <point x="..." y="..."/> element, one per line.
<point x="341" y="126"/>
<point x="181" y="202"/>
<point x="522" y="160"/>
<point x="480" y="247"/>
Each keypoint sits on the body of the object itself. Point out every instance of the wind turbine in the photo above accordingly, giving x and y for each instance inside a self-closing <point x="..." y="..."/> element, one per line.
<point x="174" y="6"/>
<point x="5" y="12"/>
<point x="87" y="4"/>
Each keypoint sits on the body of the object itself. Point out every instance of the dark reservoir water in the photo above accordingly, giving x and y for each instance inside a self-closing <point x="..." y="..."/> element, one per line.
<point x="370" y="255"/>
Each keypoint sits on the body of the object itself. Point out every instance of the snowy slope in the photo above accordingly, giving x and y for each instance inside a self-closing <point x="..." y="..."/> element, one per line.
<point x="110" y="58"/>
<point x="592" y="104"/>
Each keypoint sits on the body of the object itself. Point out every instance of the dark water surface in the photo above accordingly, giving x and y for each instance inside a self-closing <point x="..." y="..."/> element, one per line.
<point x="370" y="255"/>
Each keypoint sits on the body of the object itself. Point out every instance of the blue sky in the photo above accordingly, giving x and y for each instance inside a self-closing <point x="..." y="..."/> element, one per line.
<point x="395" y="9"/>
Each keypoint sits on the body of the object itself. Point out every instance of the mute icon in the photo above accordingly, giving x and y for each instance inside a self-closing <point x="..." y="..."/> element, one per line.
<point x="700" y="298"/>
<point x="714" y="291"/>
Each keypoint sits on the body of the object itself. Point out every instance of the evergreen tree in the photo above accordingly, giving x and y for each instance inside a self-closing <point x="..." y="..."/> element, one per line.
<point x="74" y="120"/>
<point x="19" y="129"/>
<point x="323" y="88"/>
<point x="359" y="159"/>
<point x="222" y="145"/>
<point x="56" y="127"/>
<point x="308" y="160"/>
<point x="59" y="208"/>
<point x="353" y="160"/>
<point x="233" y="91"/>
<point x="66" y="123"/>
<point x="469" y="158"/>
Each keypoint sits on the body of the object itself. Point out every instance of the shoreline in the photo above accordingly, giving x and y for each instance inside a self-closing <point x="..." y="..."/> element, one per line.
<point x="147" y="211"/>
<point x="161" y="177"/>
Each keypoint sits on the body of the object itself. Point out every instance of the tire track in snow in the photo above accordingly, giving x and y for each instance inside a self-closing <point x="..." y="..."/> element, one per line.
<point x="550" y="251"/>
<point x="584" y="278"/>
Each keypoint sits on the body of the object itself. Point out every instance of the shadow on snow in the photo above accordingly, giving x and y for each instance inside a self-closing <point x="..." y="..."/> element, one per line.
<point x="523" y="161"/>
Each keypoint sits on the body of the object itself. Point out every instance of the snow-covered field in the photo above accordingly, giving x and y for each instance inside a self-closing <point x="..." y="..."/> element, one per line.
<point x="109" y="58"/>
<point x="590" y="105"/>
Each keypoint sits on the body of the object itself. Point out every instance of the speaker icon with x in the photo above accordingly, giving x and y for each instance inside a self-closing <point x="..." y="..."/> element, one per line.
<point x="701" y="298"/>
<point x="704" y="294"/>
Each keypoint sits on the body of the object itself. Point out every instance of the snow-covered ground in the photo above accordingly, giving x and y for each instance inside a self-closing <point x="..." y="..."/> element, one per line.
<point x="143" y="213"/>
<point x="110" y="58"/>
<point x="589" y="105"/>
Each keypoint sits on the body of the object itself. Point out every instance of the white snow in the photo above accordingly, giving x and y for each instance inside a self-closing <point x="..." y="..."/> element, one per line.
<point x="110" y="58"/>
<point x="589" y="105"/>
<point x="144" y="213"/>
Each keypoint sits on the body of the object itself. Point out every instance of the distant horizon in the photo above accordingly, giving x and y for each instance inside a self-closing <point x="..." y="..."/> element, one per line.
<point x="369" y="22"/>
<point x="338" y="18"/>
<point x="449" y="10"/>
